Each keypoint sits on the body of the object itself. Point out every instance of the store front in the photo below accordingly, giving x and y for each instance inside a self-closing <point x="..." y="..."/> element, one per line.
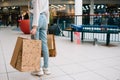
<point x="65" y="10"/>
<point x="101" y="15"/>
<point x="9" y="15"/>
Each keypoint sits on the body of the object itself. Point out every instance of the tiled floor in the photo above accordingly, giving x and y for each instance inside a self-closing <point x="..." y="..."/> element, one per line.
<point x="73" y="61"/>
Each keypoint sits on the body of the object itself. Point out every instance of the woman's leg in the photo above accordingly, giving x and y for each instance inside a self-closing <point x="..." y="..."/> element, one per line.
<point x="43" y="37"/>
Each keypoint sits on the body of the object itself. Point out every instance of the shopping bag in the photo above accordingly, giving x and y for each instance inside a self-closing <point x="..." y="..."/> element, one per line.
<point x="26" y="55"/>
<point x="51" y="45"/>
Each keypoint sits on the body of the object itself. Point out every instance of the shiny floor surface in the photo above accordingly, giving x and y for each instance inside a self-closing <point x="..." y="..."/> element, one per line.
<point x="73" y="61"/>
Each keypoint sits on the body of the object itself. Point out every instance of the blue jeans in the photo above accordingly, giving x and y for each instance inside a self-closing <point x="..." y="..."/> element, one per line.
<point x="41" y="34"/>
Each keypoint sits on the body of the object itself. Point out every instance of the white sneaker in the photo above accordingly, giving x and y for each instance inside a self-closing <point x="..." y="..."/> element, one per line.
<point x="38" y="73"/>
<point x="46" y="71"/>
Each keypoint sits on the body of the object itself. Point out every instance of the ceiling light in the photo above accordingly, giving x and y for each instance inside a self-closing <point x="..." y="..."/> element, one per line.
<point x="13" y="7"/>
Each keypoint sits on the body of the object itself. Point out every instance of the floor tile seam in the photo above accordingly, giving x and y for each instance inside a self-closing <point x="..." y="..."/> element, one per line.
<point x="115" y="68"/>
<point x="62" y="76"/>
<point x="105" y="58"/>
<point x="71" y="73"/>
<point x="98" y="68"/>
<point x="76" y="63"/>
<point x="54" y="76"/>
<point x="71" y="64"/>
<point x="76" y="74"/>
<point x="45" y="75"/>
<point x="65" y="64"/>
<point x="77" y="58"/>
<point x="2" y="54"/>
<point x="113" y="57"/>
<point x="106" y="64"/>
<point x="86" y="61"/>
<point x="12" y="72"/>
<point x="100" y="75"/>
<point x="57" y="75"/>
<point x="4" y="60"/>
<point x="2" y="73"/>
<point x="62" y="70"/>
<point x="105" y="67"/>
<point x="82" y="64"/>
<point x="95" y="72"/>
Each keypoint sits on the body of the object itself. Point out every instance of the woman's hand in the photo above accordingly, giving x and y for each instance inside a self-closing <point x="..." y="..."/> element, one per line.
<point x="33" y="31"/>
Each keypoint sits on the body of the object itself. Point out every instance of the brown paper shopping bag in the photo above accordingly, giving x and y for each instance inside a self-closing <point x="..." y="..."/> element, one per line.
<point x="26" y="55"/>
<point x="51" y="45"/>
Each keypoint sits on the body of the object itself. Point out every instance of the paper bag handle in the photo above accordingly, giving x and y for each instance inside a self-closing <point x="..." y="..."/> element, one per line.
<point x="32" y="36"/>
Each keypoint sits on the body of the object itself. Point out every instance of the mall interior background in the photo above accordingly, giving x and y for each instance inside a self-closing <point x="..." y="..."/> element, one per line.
<point x="104" y="10"/>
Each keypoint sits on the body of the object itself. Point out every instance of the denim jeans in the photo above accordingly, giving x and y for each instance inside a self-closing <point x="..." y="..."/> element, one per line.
<point x="41" y="34"/>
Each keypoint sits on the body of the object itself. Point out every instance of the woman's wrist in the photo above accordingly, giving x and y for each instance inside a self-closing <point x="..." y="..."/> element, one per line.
<point x="34" y="27"/>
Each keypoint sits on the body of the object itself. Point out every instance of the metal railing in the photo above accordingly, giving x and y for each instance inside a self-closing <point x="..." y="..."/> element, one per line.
<point x="66" y="21"/>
